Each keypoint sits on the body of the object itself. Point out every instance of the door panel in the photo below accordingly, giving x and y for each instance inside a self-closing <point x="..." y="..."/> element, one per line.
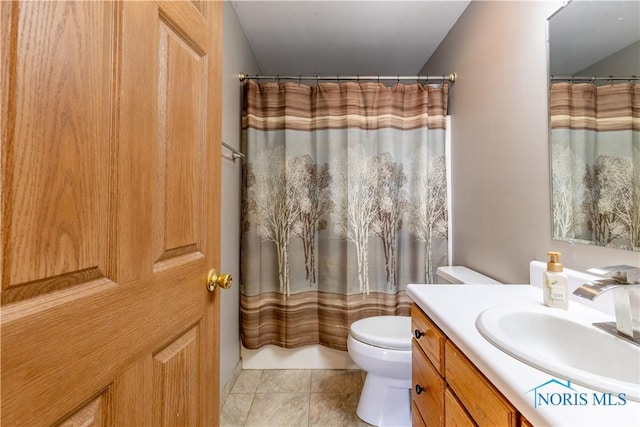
<point x="180" y="150"/>
<point x="176" y="385"/>
<point x="93" y="414"/>
<point x="57" y="150"/>
<point x="109" y="217"/>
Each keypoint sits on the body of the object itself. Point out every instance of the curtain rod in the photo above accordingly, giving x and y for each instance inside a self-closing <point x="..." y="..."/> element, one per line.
<point x="593" y="78"/>
<point x="451" y="77"/>
<point x="235" y="154"/>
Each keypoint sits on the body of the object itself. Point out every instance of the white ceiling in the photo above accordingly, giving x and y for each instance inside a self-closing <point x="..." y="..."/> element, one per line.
<point x="345" y="37"/>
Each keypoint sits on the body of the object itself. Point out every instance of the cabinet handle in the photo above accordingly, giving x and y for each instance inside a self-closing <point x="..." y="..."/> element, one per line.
<point x="419" y="389"/>
<point x="418" y="334"/>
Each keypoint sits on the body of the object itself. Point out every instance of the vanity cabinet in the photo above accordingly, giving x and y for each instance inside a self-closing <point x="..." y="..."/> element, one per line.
<point x="448" y="390"/>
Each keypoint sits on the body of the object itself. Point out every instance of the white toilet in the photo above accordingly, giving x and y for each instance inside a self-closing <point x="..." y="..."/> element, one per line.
<point x="381" y="346"/>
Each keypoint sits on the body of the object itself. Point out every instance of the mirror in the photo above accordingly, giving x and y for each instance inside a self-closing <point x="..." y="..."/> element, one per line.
<point x="594" y="123"/>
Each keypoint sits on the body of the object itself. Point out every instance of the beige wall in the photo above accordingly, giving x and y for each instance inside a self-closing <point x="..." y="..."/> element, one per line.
<point x="237" y="57"/>
<point x="500" y="174"/>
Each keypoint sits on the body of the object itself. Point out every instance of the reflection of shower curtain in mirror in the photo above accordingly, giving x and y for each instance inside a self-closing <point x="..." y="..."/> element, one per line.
<point x="595" y="163"/>
<point x="344" y="204"/>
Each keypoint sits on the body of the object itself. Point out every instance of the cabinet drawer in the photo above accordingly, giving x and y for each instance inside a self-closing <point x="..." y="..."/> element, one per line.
<point x="483" y="401"/>
<point x="429" y="337"/>
<point x="454" y="413"/>
<point x="430" y="385"/>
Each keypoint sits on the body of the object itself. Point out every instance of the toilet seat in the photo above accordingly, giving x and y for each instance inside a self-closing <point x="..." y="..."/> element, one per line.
<point x="391" y="332"/>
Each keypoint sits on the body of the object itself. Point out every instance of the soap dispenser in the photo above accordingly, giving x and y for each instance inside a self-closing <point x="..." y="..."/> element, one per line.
<point x="555" y="283"/>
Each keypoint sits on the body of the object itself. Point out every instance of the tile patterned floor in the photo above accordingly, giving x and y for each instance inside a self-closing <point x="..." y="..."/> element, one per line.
<point x="280" y="398"/>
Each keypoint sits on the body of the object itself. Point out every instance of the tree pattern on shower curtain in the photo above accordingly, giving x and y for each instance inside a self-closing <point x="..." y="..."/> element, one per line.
<point x="288" y="200"/>
<point x="428" y="210"/>
<point x="595" y="163"/>
<point x="344" y="204"/>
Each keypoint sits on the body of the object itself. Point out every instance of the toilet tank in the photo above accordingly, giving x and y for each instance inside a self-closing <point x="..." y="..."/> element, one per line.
<point x="462" y="275"/>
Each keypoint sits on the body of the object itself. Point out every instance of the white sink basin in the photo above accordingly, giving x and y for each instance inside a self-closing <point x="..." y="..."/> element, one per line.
<point x="564" y="344"/>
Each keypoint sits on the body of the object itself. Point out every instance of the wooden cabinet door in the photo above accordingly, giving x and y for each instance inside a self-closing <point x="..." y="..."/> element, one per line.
<point x="109" y="213"/>
<point x="455" y="415"/>
<point x="468" y="383"/>
<point x="416" y="418"/>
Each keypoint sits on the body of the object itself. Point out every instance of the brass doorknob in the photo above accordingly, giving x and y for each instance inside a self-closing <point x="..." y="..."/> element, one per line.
<point x="215" y="280"/>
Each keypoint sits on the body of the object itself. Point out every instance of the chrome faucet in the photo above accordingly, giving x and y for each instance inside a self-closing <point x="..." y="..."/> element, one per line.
<point x="624" y="280"/>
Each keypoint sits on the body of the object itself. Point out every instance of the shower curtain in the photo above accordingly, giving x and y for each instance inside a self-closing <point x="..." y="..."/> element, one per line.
<point x="595" y="163"/>
<point x="344" y="204"/>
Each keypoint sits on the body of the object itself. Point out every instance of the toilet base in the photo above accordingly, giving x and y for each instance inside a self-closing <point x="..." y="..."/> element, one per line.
<point x="385" y="402"/>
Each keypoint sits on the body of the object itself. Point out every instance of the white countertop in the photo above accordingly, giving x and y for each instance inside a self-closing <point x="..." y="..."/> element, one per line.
<point x="454" y="309"/>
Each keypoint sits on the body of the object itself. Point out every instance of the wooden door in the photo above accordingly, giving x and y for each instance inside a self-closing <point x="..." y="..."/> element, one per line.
<point x="109" y="212"/>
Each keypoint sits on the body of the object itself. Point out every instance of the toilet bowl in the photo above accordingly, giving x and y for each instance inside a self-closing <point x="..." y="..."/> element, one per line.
<point x="381" y="346"/>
